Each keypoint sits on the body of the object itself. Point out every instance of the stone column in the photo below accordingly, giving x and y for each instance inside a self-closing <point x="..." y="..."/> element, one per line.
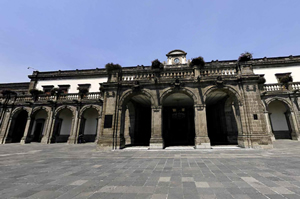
<point x="5" y="127"/>
<point x="295" y="135"/>
<point x="24" y="138"/>
<point x="75" y="125"/>
<point x="201" y="133"/>
<point x="269" y="126"/>
<point x="98" y="128"/>
<point x="156" y="141"/>
<point x="126" y="127"/>
<point x="49" y="129"/>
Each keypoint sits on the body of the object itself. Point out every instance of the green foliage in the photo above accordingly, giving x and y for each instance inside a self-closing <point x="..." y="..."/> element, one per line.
<point x="198" y="61"/>
<point x="246" y="56"/>
<point x="8" y="92"/>
<point x="285" y="79"/>
<point x="35" y="92"/>
<point x="83" y="91"/>
<point x="261" y="80"/>
<point x="55" y="91"/>
<point x="111" y="67"/>
<point x="156" y="64"/>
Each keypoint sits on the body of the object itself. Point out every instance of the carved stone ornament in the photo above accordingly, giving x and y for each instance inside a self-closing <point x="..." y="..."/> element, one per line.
<point x="177" y="84"/>
<point x="219" y="82"/>
<point x="136" y="87"/>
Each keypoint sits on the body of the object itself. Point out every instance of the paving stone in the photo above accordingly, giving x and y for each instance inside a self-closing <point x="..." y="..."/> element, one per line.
<point x="63" y="171"/>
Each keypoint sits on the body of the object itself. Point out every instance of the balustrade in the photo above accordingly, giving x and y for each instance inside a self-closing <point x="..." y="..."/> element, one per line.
<point x="218" y="71"/>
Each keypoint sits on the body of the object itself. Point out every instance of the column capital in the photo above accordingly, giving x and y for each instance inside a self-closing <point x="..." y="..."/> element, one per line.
<point x="156" y="108"/>
<point x="200" y="107"/>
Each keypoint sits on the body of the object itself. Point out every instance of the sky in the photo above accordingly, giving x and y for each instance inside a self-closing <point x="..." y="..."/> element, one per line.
<point x="84" y="34"/>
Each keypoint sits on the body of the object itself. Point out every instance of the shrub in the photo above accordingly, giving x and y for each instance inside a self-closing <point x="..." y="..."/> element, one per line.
<point x="8" y="93"/>
<point x="285" y="79"/>
<point x="156" y="64"/>
<point x="261" y="80"/>
<point x="55" y="91"/>
<point x="35" y="92"/>
<point x="198" y="61"/>
<point x="246" y="56"/>
<point x="111" y="67"/>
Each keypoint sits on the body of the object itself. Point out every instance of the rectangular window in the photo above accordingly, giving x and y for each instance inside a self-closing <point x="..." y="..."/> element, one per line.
<point x="255" y="117"/>
<point x="108" y="121"/>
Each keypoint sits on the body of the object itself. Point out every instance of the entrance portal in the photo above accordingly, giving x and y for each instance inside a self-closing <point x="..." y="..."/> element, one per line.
<point x="222" y="116"/>
<point x="136" y="120"/>
<point x="178" y="120"/>
<point x="17" y="127"/>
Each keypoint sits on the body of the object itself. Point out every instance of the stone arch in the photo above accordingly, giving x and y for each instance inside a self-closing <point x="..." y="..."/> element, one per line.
<point x="16" y="110"/>
<point x="125" y="97"/>
<point x="47" y="109"/>
<point x="283" y="100"/>
<point x="71" y="108"/>
<point x="170" y="91"/>
<point x="98" y="108"/>
<point x="227" y="89"/>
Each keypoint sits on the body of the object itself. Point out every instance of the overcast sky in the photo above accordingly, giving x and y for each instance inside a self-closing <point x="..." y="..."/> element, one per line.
<point x="52" y="35"/>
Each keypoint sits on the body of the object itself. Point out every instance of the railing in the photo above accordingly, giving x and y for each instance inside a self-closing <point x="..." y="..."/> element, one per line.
<point x="46" y="98"/>
<point x="22" y="98"/>
<point x="163" y="74"/>
<point x="281" y="87"/>
<point x="295" y="85"/>
<point x="218" y="71"/>
<point x="138" y="77"/>
<point x="94" y="95"/>
<point x="174" y="74"/>
<point x="273" y="87"/>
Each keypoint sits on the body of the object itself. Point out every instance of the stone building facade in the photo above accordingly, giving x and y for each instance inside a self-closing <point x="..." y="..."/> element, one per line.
<point x="224" y="102"/>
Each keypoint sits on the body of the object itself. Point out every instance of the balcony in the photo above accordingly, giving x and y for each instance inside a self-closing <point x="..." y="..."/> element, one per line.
<point x="292" y="86"/>
<point x="69" y="97"/>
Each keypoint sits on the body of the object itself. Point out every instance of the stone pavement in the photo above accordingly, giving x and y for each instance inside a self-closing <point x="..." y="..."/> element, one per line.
<point x="80" y="171"/>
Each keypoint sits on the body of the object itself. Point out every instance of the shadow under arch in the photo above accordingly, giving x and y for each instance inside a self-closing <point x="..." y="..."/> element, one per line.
<point x="39" y="120"/>
<point x="64" y="124"/>
<point x="178" y="117"/>
<point x="223" y="115"/>
<point x="135" y="126"/>
<point x="89" y="120"/>
<point x="18" y="123"/>
<point x="281" y="119"/>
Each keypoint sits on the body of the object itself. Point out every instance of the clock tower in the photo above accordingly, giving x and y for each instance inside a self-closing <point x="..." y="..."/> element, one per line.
<point x="176" y="58"/>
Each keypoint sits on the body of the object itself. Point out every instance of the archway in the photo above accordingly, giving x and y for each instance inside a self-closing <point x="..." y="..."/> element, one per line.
<point x="280" y="117"/>
<point x="223" y="117"/>
<point x="17" y="127"/>
<point x="62" y="126"/>
<point x="136" y="120"/>
<point x="37" y="126"/>
<point x="178" y="120"/>
<point x="88" y="125"/>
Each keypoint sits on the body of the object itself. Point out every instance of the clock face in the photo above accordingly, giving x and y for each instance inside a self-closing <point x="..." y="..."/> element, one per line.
<point x="176" y="60"/>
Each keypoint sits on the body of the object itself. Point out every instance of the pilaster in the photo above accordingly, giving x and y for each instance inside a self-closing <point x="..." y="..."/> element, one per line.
<point x="201" y="134"/>
<point x="156" y="141"/>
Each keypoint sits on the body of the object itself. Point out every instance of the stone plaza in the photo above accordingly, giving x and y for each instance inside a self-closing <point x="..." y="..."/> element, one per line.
<point x="83" y="171"/>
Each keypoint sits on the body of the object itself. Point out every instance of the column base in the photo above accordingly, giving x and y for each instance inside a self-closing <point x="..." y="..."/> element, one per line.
<point x="156" y="146"/>
<point x="105" y="142"/>
<point x="156" y="143"/>
<point x="72" y="140"/>
<point x="255" y="141"/>
<point x="202" y="143"/>
<point x="24" y="140"/>
<point x="45" y="140"/>
<point x="203" y="146"/>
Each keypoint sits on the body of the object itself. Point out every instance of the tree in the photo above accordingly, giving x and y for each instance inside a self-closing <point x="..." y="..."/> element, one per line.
<point x="198" y="61"/>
